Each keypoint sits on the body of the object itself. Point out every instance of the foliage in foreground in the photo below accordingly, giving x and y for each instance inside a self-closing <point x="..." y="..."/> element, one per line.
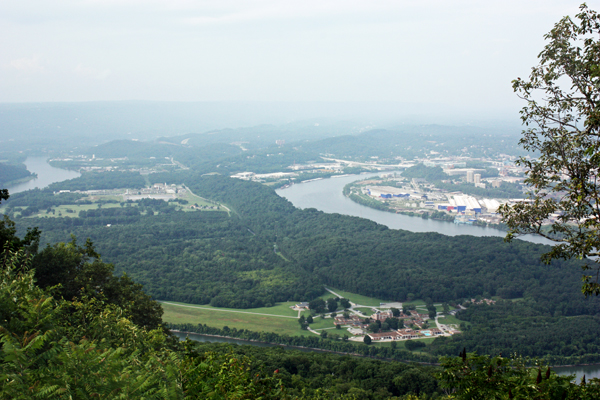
<point x="85" y="348"/>
<point x="473" y="377"/>
<point x="562" y="116"/>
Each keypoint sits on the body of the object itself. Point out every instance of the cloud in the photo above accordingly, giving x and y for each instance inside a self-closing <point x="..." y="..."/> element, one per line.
<point x="29" y="65"/>
<point x="87" y="72"/>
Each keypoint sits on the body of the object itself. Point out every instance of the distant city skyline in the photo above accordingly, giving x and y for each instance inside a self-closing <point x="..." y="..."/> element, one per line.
<point x="458" y="55"/>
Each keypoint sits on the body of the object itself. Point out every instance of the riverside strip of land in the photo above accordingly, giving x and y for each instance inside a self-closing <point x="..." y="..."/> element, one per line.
<point x="284" y="317"/>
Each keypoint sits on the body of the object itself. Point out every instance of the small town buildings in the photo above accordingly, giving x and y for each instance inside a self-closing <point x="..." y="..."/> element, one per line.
<point x="354" y="321"/>
<point x="408" y="333"/>
<point x="384" y="336"/>
<point x="381" y="316"/>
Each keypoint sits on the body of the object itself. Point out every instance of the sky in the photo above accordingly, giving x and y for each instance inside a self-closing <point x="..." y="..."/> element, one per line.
<point x="455" y="53"/>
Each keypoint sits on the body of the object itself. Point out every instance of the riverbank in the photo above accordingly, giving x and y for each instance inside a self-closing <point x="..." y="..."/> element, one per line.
<point x="355" y="192"/>
<point x="20" y="181"/>
<point x="45" y="175"/>
<point x="293" y="347"/>
<point x="327" y="195"/>
<point x="589" y="370"/>
<point x="320" y="343"/>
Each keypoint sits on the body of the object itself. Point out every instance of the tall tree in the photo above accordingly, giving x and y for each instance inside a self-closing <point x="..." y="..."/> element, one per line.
<point x="562" y="117"/>
<point x="8" y="230"/>
<point x="332" y="304"/>
<point x="80" y="272"/>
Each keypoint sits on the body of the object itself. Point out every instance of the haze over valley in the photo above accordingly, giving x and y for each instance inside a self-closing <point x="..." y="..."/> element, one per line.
<point x="328" y="185"/>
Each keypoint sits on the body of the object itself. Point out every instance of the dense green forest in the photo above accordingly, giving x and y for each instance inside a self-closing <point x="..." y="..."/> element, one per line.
<point x="101" y="181"/>
<point x="518" y="327"/>
<point x="333" y="342"/>
<point x="336" y="250"/>
<point x="64" y="334"/>
<point x="12" y="172"/>
<point x="363" y="378"/>
<point x="229" y="261"/>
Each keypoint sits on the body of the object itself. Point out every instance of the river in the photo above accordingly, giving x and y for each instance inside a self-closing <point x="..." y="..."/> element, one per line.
<point x="590" y="371"/>
<point x="326" y="195"/>
<point x="46" y="174"/>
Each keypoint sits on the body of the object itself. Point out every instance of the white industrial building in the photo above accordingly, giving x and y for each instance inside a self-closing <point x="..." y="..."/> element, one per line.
<point x="490" y="204"/>
<point x="461" y="171"/>
<point x="470" y="203"/>
<point x="377" y="191"/>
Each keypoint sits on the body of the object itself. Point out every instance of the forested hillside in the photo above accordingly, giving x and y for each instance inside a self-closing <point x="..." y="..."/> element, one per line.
<point x="12" y="172"/>
<point x="267" y="251"/>
<point x="181" y="256"/>
<point x="69" y="328"/>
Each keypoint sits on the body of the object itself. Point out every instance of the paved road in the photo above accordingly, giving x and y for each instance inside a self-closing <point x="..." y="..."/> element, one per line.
<point x="442" y="327"/>
<point x="353" y="305"/>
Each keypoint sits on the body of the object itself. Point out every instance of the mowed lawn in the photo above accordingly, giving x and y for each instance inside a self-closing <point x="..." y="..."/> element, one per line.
<point x="267" y="319"/>
<point x="450" y="320"/>
<point x="182" y="313"/>
<point x="360" y="299"/>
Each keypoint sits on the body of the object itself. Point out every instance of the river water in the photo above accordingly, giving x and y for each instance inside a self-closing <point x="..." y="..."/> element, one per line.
<point x="326" y="195"/>
<point x="46" y="174"/>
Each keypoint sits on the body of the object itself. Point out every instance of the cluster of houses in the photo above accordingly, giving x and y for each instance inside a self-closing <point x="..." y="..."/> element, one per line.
<point x="483" y="301"/>
<point x="405" y="334"/>
<point x="358" y="325"/>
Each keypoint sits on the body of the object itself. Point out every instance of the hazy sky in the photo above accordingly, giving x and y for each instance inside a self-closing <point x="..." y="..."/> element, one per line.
<point x="443" y="51"/>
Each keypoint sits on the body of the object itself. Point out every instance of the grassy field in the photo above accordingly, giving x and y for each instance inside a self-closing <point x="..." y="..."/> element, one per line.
<point x="193" y="199"/>
<point x="73" y="210"/>
<point x="324" y="323"/>
<point x="359" y="299"/>
<point x="281" y="309"/>
<point x="233" y="318"/>
<point x="450" y="319"/>
<point x="280" y="319"/>
<point x="364" y="310"/>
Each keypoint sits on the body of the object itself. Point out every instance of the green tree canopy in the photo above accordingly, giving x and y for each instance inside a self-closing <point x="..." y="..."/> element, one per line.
<point x="562" y="117"/>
